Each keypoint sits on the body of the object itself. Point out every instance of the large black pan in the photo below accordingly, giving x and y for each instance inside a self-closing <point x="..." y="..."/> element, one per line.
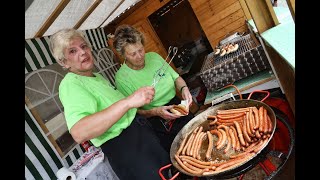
<point x="201" y="120"/>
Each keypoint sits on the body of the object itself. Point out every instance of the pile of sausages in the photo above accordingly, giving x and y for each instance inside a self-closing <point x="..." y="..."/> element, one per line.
<point x="238" y="133"/>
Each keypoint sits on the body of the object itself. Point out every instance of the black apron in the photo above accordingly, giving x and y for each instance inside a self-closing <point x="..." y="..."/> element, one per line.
<point x="136" y="153"/>
<point x="163" y="130"/>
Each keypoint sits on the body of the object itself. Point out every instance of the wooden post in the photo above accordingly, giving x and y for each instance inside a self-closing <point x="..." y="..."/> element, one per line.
<point x="292" y="7"/>
<point x="262" y="14"/>
<point x="264" y="18"/>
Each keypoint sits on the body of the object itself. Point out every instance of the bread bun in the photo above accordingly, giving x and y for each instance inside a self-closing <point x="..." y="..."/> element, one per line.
<point x="223" y="52"/>
<point x="217" y="51"/>
<point x="235" y="47"/>
<point x="180" y="110"/>
<point x="229" y="50"/>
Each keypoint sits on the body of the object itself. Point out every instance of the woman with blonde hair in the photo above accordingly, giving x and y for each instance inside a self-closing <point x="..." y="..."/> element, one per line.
<point x="98" y="113"/>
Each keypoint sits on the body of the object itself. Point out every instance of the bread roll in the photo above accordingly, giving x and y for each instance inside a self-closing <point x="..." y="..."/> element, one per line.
<point x="235" y="47"/>
<point x="180" y="110"/>
<point x="217" y="51"/>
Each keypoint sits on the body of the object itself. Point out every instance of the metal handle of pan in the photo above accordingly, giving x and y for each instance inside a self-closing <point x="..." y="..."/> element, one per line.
<point x="267" y="92"/>
<point x="165" y="167"/>
<point x="235" y="87"/>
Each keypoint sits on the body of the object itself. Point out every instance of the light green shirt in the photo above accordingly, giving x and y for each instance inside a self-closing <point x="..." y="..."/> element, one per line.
<point x="82" y="96"/>
<point x="129" y="80"/>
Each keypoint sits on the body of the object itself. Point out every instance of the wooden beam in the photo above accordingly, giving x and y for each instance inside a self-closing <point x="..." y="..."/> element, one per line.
<point x="264" y="17"/>
<point x="285" y="74"/>
<point x="52" y="17"/>
<point x="292" y="8"/>
<point x="262" y="14"/>
<point x="86" y="14"/>
<point x="111" y="12"/>
<point x="245" y="9"/>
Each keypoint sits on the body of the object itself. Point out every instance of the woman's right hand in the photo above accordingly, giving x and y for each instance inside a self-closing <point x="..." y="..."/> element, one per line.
<point x="164" y="113"/>
<point x="141" y="97"/>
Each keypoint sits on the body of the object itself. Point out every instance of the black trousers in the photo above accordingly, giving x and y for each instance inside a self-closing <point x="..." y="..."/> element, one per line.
<point x="166" y="137"/>
<point x="136" y="153"/>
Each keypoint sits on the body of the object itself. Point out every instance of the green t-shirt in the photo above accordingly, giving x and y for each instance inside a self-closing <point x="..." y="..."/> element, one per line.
<point x="82" y="96"/>
<point x="129" y="80"/>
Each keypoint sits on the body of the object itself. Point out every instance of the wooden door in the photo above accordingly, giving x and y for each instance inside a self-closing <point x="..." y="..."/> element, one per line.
<point x="152" y="41"/>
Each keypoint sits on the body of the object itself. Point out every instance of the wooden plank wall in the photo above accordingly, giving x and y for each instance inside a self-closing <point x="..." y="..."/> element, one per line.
<point x="139" y="19"/>
<point x="216" y="17"/>
<point x="219" y="18"/>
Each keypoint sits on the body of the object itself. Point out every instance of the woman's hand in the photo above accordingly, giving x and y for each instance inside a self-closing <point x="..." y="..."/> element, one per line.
<point x="163" y="112"/>
<point x="141" y="97"/>
<point x="186" y="95"/>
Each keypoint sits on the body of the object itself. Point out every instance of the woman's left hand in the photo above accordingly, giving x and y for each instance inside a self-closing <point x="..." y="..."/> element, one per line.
<point x="186" y="95"/>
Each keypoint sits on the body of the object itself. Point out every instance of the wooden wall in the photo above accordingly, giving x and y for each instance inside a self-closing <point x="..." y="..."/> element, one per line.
<point x="216" y="17"/>
<point x="219" y="17"/>
<point x="139" y="19"/>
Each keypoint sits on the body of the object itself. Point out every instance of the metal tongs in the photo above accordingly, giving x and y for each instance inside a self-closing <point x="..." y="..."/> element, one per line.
<point x="160" y="72"/>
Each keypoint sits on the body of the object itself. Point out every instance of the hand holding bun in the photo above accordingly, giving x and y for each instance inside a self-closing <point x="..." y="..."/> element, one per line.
<point x="180" y="110"/>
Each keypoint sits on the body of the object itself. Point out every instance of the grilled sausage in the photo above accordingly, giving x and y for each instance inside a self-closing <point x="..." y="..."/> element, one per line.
<point x="181" y="146"/>
<point x="228" y="144"/>
<point x="202" y="137"/>
<point x="218" y="134"/>
<point x="257" y="134"/>
<point x="245" y="132"/>
<point x="224" y="139"/>
<point x="190" y="144"/>
<point x="192" y="167"/>
<point x="236" y="138"/>
<point x="184" y="150"/>
<point x="211" y="123"/>
<point x="239" y="119"/>
<point x="261" y="119"/>
<point x="186" y="168"/>
<point x="226" y="129"/>
<point x="198" y="165"/>
<point x="256" y="117"/>
<point x="230" y="116"/>
<point x="210" y="146"/>
<point x="206" y="163"/>
<point x="232" y="111"/>
<point x="225" y="123"/>
<point x="251" y="147"/>
<point x="230" y="163"/>
<point x="211" y="117"/>
<point x="265" y="119"/>
<point x="233" y="139"/>
<point x="270" y="124"/>
<point x="192" y="151"/>
<point x="247" y="119"/>
<point x="252" y="122"/>
<point x="240" y="135"/>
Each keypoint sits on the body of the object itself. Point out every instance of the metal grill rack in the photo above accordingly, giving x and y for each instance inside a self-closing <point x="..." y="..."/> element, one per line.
<point x="245" y="44"/>
<point x="218" y="72"/>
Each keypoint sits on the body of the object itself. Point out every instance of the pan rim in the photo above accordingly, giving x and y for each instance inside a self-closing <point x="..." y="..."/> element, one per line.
<point x="200" y="118"/>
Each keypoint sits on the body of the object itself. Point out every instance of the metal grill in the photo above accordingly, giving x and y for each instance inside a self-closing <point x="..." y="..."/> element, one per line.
<point x="218" y="72"/>
<point x="245" y="44"/>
